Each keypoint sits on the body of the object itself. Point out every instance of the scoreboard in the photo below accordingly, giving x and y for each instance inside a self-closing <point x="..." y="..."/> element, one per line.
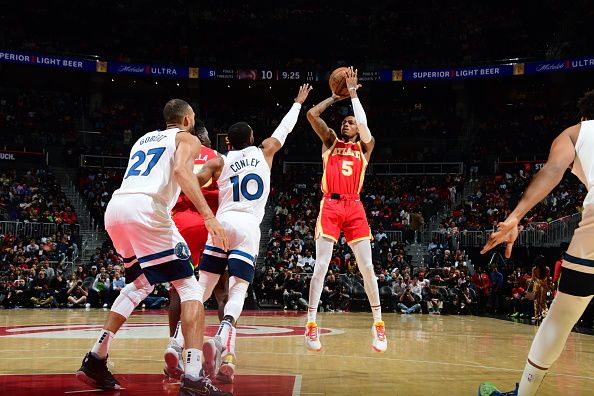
<point x="282" y="75"/>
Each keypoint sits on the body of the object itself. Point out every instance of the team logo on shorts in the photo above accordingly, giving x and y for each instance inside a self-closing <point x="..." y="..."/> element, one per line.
<point x="182" y="251"/>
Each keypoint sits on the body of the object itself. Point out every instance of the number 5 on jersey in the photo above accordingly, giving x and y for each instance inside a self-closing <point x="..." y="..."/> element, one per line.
<point x="240" y="188"/>
<point x="347" y="168"/>
<point x="156" y="152"/>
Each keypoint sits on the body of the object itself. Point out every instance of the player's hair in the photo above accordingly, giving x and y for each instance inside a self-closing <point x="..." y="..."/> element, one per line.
<point x="586" y="105"/>
<point x="175" y="110"/>
<point x="239" y="135"/>
<point x="199" y="127"/>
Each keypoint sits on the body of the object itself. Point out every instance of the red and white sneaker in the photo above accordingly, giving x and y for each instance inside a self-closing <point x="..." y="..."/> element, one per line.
<point x="226" y="372"/>
<point x="379" y="343"/>
<point x="312" y="340"/>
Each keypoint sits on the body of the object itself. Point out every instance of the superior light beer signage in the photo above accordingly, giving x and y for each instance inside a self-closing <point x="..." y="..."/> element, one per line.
<point x="225" y="73"/>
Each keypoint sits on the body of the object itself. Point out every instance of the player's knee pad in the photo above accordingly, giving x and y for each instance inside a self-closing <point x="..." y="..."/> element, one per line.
<point x="188" y="289"/>
<point x="129" y="298"/>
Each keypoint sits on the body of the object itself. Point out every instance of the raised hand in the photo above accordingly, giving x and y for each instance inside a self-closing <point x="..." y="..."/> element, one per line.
<point x="303" y="92"/>
<point x="507" y="232"/>
<point x="352" y="80"/>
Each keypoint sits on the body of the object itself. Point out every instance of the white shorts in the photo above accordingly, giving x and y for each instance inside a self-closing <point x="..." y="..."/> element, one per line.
<point x="243" y="234"/>
<point x="148" y="240"/>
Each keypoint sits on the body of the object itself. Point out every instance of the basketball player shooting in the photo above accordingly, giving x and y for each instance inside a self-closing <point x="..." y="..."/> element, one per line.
<point x="345" y="160"/>
<point x="573" y="148"/>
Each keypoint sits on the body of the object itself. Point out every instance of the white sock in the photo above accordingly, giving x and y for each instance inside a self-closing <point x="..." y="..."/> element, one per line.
<point x="531" y="380"/>
<point x="101" y="347"/>
<point x="312" y="313"/>
<point x="376" y="310"/>
<point x="193" y="363"/>
<point x="225" y="328"/>
<point x="178" y="337"/>
<point x="324" y="248"/>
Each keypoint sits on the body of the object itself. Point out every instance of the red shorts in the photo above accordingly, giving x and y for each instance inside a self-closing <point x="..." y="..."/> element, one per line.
<point x="347" y="215"/>
<point x="191" y="227"/>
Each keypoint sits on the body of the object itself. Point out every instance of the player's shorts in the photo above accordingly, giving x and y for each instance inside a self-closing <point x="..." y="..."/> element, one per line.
<point x="345" y="213"/>
<point x="191" y="227"/>
<point x="243" y="233"/>
<point x="146" y="237"/>
<point x="577" y="270"/>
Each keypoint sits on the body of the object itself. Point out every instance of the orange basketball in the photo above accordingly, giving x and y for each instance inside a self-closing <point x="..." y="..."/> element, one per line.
<point x="337" y="81"/>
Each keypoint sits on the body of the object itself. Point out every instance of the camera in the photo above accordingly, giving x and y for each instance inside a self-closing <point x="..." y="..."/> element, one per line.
<point x="79" y="283"/>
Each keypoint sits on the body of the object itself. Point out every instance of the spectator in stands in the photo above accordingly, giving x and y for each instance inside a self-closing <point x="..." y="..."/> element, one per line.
<point x="58" y="288"/>
<point x="496" y="289"/>
<point x="99" y="292"/>
<point x="463" y="301"/>
<point x="339" y="299"/>
<point x="17" y="294"/>
<point x="408" y="303"/>
<point x="49" y="271"/>
<point x="158" y="298"/>
<point x="39" y="291"/>
<point x="117" y="284"/>
<point x="77" y="293"/>
<point x="434" y="300"/>
<point x="482" y="286"/>
<point x="293" y="292"/>
<point x="266" y="287"/>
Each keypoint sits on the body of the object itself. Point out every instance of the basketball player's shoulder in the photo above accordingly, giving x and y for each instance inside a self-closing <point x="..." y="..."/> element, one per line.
<point x="208" y="152"/>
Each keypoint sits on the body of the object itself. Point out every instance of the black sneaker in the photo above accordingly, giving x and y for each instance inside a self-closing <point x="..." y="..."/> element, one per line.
<point x="200" y="387"/>
<point x="94" y="372"/>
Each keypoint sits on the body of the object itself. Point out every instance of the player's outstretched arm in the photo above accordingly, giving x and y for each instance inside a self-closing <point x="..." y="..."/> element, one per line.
<point x="367" y="141"/>
<point x="211" y="170"/>
<point x="188" y="147"/>
<point x="274" y="143"/>
<point x="560" y="158"/>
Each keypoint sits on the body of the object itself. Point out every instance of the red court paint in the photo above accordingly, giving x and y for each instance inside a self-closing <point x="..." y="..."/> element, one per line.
<point x="139" y="384"/>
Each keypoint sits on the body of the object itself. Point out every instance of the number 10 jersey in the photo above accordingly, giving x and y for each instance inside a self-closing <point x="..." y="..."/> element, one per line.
<point x="244" y="183"/>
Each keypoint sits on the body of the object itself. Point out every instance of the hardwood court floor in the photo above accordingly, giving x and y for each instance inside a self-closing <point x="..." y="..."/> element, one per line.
<point x="427" y="355"/>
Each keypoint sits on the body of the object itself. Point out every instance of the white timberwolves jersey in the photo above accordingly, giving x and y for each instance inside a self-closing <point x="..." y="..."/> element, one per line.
<point x="583" y="166"/>
<point x="244" y="183"/>
<point x="150" y="168"/>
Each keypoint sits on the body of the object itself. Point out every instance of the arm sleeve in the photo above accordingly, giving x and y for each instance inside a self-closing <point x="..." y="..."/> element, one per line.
<point x="364" y="132"/>
<point x="287" y="124"/>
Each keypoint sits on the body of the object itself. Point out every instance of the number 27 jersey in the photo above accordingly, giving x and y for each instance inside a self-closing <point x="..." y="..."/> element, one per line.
<point x="344" y="168"/>
<point x="150" y="169"/>
<point x="244" y="183"/>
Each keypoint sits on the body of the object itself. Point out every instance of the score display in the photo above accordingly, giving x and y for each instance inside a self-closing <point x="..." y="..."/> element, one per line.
<point x="257" y="74"/>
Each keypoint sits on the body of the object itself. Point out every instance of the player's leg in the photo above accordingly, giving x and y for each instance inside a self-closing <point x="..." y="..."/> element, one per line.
<point x="242" y="258"/>
<point x="358" y="235"/>
<point x="221" y="293"/>
<point x="93" y="370"/>
<point x="192" y="229"/>
<point x="324" y="248"/>
<point x="362" y="251"/>
<point x="327" y="232"/>
<point x="552" y="334"/>
<point x="212" y="266"/>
